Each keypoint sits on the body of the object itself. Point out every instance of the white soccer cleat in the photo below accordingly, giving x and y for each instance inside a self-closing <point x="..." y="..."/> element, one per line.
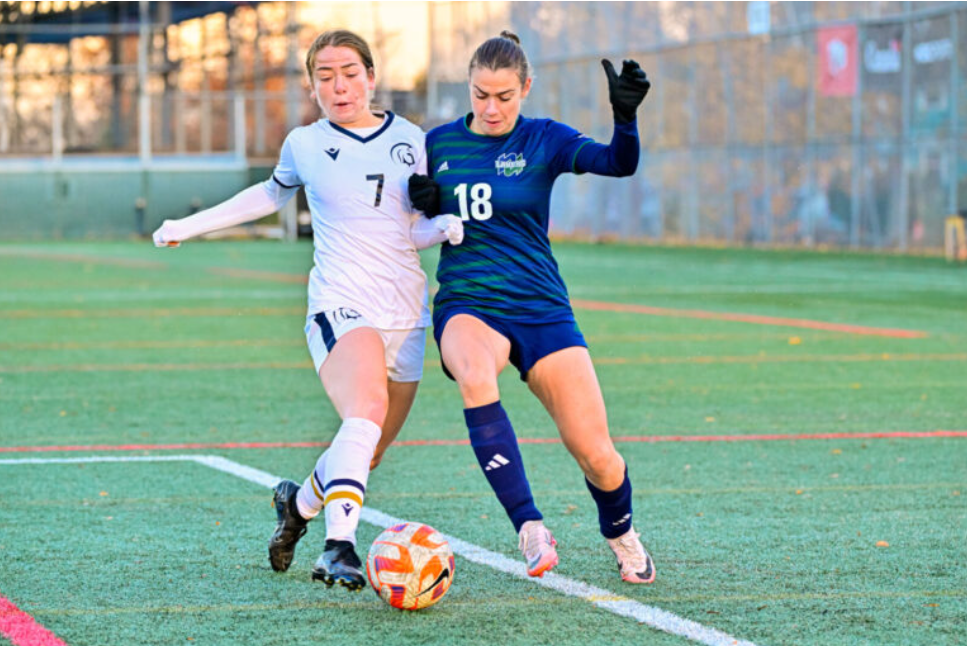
<point x="537" y="546"/>
<point x="634" y="562"/>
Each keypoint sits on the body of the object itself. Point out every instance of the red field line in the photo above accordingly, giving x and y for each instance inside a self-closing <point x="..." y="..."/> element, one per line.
<point x="750" y="318"/>
<point x="757" y="319"/>
<point x="301" y="365"/>
<point x="134" y="263"/>
<point x="258" y="274"/>
<point x="20" y="629"/>
<point x="652" y="311"/>
<point x="760" y="437"/>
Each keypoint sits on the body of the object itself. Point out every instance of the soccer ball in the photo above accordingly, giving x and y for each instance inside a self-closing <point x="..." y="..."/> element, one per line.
<point x="410" y="566"/>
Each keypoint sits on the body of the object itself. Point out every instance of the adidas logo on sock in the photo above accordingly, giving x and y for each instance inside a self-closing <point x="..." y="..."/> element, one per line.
<point x="624" y="519"/>
<point x="496" y="462"/>
<point x="444" y="166"/>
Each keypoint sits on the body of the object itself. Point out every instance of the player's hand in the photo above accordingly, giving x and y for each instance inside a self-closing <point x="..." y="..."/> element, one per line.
<point x="425" y="195"/>
<point x="451" y="226"/>
<point x="627" y="91"/>
<point x="166" y="235"/>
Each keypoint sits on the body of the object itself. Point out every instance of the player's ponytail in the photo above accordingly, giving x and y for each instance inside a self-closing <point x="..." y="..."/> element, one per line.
<point x="502" y="52"/>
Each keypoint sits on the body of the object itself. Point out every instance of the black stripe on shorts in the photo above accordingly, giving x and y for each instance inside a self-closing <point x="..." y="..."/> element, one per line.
<point x="328" y="337"/>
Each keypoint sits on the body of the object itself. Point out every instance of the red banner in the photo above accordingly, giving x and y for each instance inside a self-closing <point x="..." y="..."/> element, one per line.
<point x="837" y="60"/>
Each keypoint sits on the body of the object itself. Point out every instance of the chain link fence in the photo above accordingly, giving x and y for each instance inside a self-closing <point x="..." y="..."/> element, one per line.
<point x="812" y="123"/>
<point x="774" y="123"/>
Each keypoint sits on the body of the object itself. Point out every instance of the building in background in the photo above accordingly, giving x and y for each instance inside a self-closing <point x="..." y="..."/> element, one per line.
<point x="816" y="123"/>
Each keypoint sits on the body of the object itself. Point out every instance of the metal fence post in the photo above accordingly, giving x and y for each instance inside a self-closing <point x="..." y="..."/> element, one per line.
<point x="905" y="139"/>
<point x="856" y="143"/>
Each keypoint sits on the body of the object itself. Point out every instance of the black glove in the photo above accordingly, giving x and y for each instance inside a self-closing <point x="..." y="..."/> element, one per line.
<point x="627" y="91"/>
<point x="425" y="195"/>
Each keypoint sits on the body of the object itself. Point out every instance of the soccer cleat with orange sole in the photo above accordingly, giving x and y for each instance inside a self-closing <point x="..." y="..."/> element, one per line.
<point x="537" y="545"/>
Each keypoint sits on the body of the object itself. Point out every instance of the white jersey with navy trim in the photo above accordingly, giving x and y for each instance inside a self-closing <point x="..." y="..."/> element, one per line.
<point x="356" y="187"/>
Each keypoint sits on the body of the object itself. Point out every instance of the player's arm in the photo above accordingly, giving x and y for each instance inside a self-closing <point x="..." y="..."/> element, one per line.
<point x="620" y="158"/>
<point x="426" y="232"/>
<point x="251" y="204"/>
<point x="424" y="194"/>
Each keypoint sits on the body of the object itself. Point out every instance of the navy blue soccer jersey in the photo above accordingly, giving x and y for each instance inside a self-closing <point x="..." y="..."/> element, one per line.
<point x="501" y="188"/>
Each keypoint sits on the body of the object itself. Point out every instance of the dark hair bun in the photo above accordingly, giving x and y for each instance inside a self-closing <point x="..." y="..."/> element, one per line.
<point x="509" y="35"/>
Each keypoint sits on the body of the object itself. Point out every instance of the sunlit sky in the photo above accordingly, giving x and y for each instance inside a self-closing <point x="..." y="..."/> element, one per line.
<point x="402" y="52"/>
<point x="396" y="31"/>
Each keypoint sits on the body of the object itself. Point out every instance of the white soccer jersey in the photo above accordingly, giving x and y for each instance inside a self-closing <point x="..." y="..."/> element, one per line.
<point x="356" y="188"/>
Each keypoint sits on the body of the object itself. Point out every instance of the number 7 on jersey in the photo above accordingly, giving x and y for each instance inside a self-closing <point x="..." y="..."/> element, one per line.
<point x="379" y="178"/>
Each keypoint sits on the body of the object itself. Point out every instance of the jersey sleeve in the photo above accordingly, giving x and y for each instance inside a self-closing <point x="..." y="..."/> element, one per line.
<point x="577" y="153"/>
<point x="418" y="169"/>
<point x="563" y="144"/>
<point x="428" y="157"/>
<point x="421" y="164"/>
<point x="286" y="175"/>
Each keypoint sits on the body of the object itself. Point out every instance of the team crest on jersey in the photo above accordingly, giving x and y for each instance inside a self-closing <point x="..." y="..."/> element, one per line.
<point x="510" y="164"/>
<point x="403" y="153"/>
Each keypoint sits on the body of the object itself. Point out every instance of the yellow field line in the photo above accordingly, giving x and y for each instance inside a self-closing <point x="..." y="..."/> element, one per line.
<point x="735" y="336"/>
<point x="785" y="358"/>
<point x="147" y="345"/>
<point x="272" y="607"/>
<point x="760" y="387"/>
<point x="322" y="605"/>
<point x="814" y="596"/>
<point x="705" y="360"/>
<point x="802" y="489"/>
<point x="179" y="609"/>
<point x="151" y="312"/>
<point x="659" y="388"/>
<point x="570" y="493"/>
<point x="157" y="367"/>
<point x="953" y="486"/>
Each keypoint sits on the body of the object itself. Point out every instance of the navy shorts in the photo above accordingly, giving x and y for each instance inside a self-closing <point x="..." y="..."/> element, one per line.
<point x="529" y="342"/>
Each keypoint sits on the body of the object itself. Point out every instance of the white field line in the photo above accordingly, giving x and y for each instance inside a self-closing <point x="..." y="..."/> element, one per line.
<point x="606" y="600"/>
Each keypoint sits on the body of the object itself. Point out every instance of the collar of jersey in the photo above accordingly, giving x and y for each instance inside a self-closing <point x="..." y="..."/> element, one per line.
<point x="479" y="137"/>
<point x="353" y="135"/>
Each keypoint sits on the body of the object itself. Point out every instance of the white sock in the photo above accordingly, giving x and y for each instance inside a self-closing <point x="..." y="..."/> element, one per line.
<point x="310" y="498"/>
<point x="347" y="470"/>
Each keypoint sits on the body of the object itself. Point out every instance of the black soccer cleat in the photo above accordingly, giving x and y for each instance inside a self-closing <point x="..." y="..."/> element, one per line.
<point x="339" y="564"/>
<point x="290" y="529"/>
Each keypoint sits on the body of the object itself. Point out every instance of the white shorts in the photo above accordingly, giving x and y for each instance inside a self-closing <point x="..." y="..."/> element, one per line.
<point x="404" y="348"/>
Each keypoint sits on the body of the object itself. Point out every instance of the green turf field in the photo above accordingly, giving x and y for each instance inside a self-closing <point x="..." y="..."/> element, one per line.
<point x="802" y="542"/>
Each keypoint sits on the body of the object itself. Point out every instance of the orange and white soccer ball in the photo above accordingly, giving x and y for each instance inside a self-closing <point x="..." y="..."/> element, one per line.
<point x="410" y="566"/>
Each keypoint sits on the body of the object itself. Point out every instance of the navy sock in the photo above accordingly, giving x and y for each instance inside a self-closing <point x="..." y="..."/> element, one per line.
<point x="495" y="445"/>
<point x="614" y="507"/>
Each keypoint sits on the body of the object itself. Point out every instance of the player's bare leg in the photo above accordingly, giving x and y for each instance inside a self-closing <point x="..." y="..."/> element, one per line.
<point x="401" y="396"/>
<point x="475" y="354"/>
<point x="354" y="376"/>
<point x="567" y="385"/>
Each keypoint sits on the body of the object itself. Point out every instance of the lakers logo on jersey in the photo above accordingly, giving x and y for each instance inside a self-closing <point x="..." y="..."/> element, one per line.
<point x="403" y="153"/>
<point x="510" y="164"/>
